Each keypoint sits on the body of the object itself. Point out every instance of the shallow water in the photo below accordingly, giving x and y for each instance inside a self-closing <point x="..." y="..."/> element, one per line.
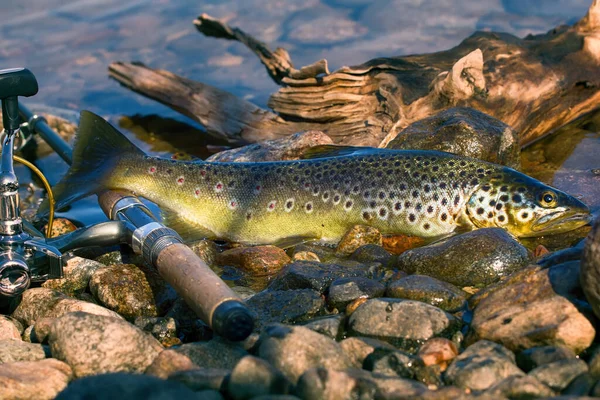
<point x="69" y="45"/>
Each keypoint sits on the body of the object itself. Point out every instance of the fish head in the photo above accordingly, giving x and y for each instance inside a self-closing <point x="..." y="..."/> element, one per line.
<point x="525" y="206"/>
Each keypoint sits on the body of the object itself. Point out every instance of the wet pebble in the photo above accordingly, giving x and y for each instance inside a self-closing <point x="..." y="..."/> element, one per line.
<point x="329" y="325"/>
<point x="559" y="374"/>
<point x="132" y="291"/>
<point x="216" y="353"/>
<point x="476" y="258"/>
<point x="256" y="261"/>
<point x="127" y="386"/>
<point x="520" y="387"/>
<point x="590" y="268"/>
<point x="295" y="349"/>
<point x="464" y="131"/>
<point x="169" y="362"/>
<point x="41" y="380"/>
<point x="163" y="329"/>
<point x="207" y="250"/>
<point x="17" y="350"/>
<point x="581" y="385"/>
<point x="305" y="256"/>
<point x="389" y="362"/>
<point x="438" y="351"/>
<point x="370" y="253"/>
<point x="37" y="303"/>
<point x="357" y="236"/>
<point x="534" y="357"/>
<point x="532" y="309"/>
<point x="95" y="344"/>
<point x="253" y="377"/>
<point x="327" y="383"/>
<point x="199" y="379"/>
<point x="10" y="328"/>
<point x="481" y="366"/>
<point x="343" y="291"/>
<point x="359" y="348"/>
<point x="317" y="276"/>
<point x="406" y="324"/>
<point x="285" y="306"/>
<point x="77" y="274"/>
<point x="428" y="290"/>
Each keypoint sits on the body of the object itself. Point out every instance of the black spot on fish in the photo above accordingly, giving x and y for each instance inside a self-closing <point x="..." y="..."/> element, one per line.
<point x="474" y="182"/>
<point x="426" y="226"/>
<point x="382" y="195"/>
<point x="336" y="198"/>
<point x="427" y="188"/>
<point x="392" y="195"/>
<point x="325" y="195"/>
<point x="516" y="198"/>
<point x="308" y="206"/>
<point x="462" y="173"/>
<point x="402" y="186"/>
<point x="412" y="217"/>
<point x="492" y="203"/>
<point x="451" y="163"/>
<point x="415" y="193"/>
<point x="504" y="188"/>
<point x="336" y="186"/>
<point x="524" y="215"/>
<point x="419" y="158"/>
<point x="444" y="217"/>
<point x="169" y="171"/>
<point x="407" y="204"/>
<point x="397" y="164"/>
<point x="418" y="207"/>
<point x="349" y="204"/>
<point x="463" y="163"/>
<point x="480" y="170"/>
<point x="451" y="174"/>
<point x="504" y="198"/>
<point x="456" y="200"/>
<point x="486" y="188"/>
<point x="366" y="216"/>
<point x="426" y="163"/>
<point x="481" y="199"/>
<point x="382" y="212"/>
<point x="430" y="209"/>
<point x="436" y="197"/>
<point x="442" y="185"/>
<point x="415" y="174"/>
<point x="521" y="189"/>
<point x="480" y="211"/>
<point x="501" y="218"/>
<point x="389" y="171"/>
<point x="435" y="168"/>
<point x="444" y="201"/>
<point x="373" y="204"/>
<point x="379" y="174"/>
<point x="397" y="206"/>
<point x="499" y="206"/>
<point x="490" y="214"/>
<point x="248" y="217"/>
<point x="289" y="204"/>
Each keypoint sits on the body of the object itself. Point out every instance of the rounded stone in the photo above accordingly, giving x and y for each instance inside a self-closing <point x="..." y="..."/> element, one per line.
<point x="343" y="291"/>
<point x="590" y="268"/>
<point x="476" y="258"/>
<point x="256" y="261"/>
<point x="17" y="350"/>
<point x="77" y="274"/>
<point x="428" y="290"/>
<point x="559" y="374"/>
<point x="253" y="377"/>
<point x="438" y="351"/>
<point x="370" y="253"/>
<point x="358" y="348"/>
<point x="95" y="344"/>
<point x="357" y="236"/>
<point x="534" y="357"/>
<point x="42" y="379"/>
<point x="520" y="387"/>
<point x="406" y="324"/>
<point x="10" y="328"/>
<point x="199" y="379"/>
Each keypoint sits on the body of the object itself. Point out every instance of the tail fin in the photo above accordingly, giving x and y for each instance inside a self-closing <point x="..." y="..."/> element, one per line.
<point x="97" y="146"/>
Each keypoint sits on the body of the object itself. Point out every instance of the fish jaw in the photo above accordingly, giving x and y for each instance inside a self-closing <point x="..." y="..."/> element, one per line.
<point x="559" y="222"/>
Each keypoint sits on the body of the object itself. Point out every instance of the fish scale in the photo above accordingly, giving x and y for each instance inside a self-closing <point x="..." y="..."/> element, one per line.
<point x="422" y="193"/>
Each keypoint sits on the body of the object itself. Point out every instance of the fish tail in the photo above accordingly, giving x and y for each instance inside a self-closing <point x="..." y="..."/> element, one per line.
<point x="97" y="148"/>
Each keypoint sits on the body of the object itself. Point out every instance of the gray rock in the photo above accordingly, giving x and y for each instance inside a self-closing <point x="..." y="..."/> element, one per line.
<point x="390" y="388"/>
<point x="536" y="356"/>
<point x="481" y="366"/>
<point x="463" y="131"/>
<point x="127" y="386"/>
<point x="190" y="328"/>
<point x="202" y="378"/>
<point x="428" y="290"/>
<point x="37" y="303"/>
<point x="370" y="253"/>
<point x="10" y="328"/>
<point x="329" y="325"/>
<point x="531" y="309"/>
<point x="42" y="379"/>
<point x="559" y="374"/>
<point x="343" y="291"/>
<point x="590" y="268"/>
<point x="329" y="384"/>
<point x="132" y="291"/>
<point x="358" y="348"/>
<point x="95" y="344"/>
<point x="163" y="329"/>
<point x="387" y="362"/>
<point x="476" y="258"/>
<point x="582" y="385"/>
<point x="77" y="274"/>
<point x="406" y="324"/>
<point x="255" y="377"/>
<point x="520" y="387"/>
<point x="17" y="350"/>
<point x="317" y="276"/>
<point x="295" y="349"/>
<point x="285" y="306"/>
<point x="217" y="353"/>
<point x="289" y="148"/>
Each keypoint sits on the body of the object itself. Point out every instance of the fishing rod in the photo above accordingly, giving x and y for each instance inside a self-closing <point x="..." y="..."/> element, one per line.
<point x="26" y="256"/>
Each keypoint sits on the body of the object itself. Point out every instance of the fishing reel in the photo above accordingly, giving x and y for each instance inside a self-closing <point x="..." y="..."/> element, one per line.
<point x="24" y="257"/>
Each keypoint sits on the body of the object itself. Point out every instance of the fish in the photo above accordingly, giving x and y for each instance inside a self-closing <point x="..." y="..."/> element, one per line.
<point x="423" y="193"/>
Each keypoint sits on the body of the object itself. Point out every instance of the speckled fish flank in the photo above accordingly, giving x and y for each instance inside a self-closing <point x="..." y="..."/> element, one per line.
<point x="422" y="193"/>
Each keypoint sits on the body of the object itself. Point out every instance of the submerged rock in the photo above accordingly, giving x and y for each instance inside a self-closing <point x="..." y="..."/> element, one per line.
<point x="464" y="131"/>
<point x="163" y="329"/>
<point x="41" y="380"/>
<point x="438" y="351"/>
<point x="406" y="324"/>
<point x="256" y="261"/>
<point x="343" y="291"/>
<point x="357" y="236"/>
<point x="476" y="258"/>
<point x="95" y="344"/>
<point x="428" y="290"/>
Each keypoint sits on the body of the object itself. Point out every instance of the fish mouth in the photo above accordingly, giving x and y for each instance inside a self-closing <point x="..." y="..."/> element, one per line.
<point x="561" y="221"/>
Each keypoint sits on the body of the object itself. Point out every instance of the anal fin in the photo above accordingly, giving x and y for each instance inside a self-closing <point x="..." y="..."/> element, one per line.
<point x="188" y="231"/>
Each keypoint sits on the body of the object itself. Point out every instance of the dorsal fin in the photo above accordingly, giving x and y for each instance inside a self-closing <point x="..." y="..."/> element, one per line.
<point x="331" y="150"/>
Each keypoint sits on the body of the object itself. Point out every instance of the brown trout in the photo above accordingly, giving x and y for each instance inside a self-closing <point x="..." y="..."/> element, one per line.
<point x="424" y="193"/>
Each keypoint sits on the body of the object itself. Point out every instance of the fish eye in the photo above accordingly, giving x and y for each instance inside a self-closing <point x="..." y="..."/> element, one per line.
<point x="548" y="199"/>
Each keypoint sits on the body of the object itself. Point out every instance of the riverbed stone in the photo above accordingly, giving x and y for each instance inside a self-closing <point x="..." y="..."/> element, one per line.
<point x="318" y="276"/>
<point x="590" y="268"/>
<point x="343" y="291"/>
<point x="463" y="131"/>
<point x="132" y="291"/>
<point x="206" y="249"/>
<point x="169" y="362"/>
<point x="295" y="349"/>
<point x="329" y="384"/>
<point x="428" y="290"/>
<point x="482" y="365"/>
<point x="582" y="385"/>
<point x="12" y="350"/>
<point x="285" y="306"/>
<point x="357" y="236"/>
<point x="163" y="329"/>
<point x="559" y="374"/>
<point x="255" y="261"/>
<point x="534" y="357"/>
<point x="253" y="377"/>
<point x="533" y="310"/>
<point x="10" y="328"/>
<point x="388" y="362"/>
<point x="406" y="324"/>
<point x="328" y="325"/>
<point x="127" y="386"/>
<point x="42" y="379"/>
<point x="289" y="148"/>
<point x="94" y="344"/>
<point x="77" y="274"/>
<point x="199" y="379"/>
<point x="520" y="387"/>
<point x="358" y="348"/>
<point x="438" y="351"/>
<point x="475" y="258"/>
<point x="370" y="253"/>
<point x="38" y="303"/>
<point x="216" y="353"/>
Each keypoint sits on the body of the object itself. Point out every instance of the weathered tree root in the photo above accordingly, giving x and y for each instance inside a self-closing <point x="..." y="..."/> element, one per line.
<point x="535" y="85"/>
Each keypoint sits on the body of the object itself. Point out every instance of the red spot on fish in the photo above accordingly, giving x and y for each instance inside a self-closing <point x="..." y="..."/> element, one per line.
<point x="233" y="204"/>
<point x="202" y="173"/>
<point x="197" y="192"/>
<point x="219" y="187"/>
<point x="152" y="170"/>
<point x="271" y="206"/>
<point x="180" y="180"/>
<point x="257" y="187"/>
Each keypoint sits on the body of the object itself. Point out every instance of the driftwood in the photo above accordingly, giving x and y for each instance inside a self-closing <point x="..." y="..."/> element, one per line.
<point x="535" y="85"/>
